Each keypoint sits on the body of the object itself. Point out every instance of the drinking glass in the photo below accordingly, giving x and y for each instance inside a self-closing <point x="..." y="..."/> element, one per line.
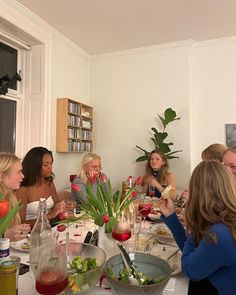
<point x="151" y="191"/>
<point x="121" y="231"/>
<point x="145" y="206"/>
<point x="51" y="274"/>
<point x="69" y="211"/>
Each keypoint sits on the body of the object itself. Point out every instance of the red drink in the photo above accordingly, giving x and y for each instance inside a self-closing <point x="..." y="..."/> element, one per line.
<point x="151" y="194"/>
<point x="145" y="209"/>
<point x="121" y="237"/>
<point x="51" y="282"/>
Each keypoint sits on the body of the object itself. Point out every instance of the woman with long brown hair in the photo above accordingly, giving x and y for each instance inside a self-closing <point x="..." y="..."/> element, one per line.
<point x="158" y="175"/>
<point x="210" y="248"/>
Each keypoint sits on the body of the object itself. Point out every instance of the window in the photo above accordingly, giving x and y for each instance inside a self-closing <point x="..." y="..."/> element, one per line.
<point x="11" y="62"/>
<point x="7" y="125"/>
<point x="8" y="63"/>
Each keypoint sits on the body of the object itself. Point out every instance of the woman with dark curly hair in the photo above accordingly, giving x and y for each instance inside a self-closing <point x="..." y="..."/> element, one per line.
<point x="38" y="183"/>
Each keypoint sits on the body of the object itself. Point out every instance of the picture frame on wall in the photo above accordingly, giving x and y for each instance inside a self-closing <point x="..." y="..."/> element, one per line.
<point x="230" y="134"/>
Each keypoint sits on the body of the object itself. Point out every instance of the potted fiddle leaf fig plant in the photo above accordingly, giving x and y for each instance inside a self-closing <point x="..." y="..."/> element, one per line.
<point x="159" y="137"/>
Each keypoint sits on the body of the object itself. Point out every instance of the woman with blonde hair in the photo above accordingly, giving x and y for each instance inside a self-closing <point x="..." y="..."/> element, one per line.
<point x="210" y="247"/>
<point x="90" y="172"/>
<point x="158" y="175"/>
<point x="10" y="180"/>
<point x="214" y="151"/>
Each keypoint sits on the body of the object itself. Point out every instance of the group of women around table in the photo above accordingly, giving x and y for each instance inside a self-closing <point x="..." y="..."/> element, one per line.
<point x="208" y="238"/>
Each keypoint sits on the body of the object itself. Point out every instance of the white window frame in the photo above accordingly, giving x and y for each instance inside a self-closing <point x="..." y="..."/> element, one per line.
<point x="18" y="95"/>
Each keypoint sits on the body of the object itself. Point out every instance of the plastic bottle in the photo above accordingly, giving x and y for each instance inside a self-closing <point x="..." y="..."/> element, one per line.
<point x="129" y="182"/>
<point x="4" y="249"/>
<point x="39" y="236"/>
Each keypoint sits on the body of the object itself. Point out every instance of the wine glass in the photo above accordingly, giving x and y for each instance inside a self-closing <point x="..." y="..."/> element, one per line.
<point x="121" y="231"/>
<point x="51" y="275"/>
<point x="145" y="206"/>
<point x="151" y="191"/>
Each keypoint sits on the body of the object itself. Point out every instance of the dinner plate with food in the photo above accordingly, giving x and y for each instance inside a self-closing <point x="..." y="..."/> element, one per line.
<point x="21" y="245"/>
<point x="162" y="233"/>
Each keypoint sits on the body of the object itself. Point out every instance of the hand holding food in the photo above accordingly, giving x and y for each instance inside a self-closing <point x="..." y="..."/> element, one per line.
<point x="166" y="206"/>
<point x="167" y="193"/>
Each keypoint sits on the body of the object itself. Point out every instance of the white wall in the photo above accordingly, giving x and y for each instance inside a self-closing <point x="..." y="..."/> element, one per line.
<point x="70" y="78"/>
<point x="214" y="88"/>
<point x="128" y="90"/>
<point x="66" y="75"/>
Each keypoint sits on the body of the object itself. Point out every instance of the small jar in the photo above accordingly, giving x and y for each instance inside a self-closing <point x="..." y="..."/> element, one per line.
<point x="4" y="249"/>
<point x="8" y="277"/>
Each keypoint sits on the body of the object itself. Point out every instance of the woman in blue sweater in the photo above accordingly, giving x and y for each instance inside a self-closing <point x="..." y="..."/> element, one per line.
<point x="210" y="248"/>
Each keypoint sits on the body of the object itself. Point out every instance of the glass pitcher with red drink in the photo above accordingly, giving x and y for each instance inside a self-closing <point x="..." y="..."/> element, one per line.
<point x="51" y="274"/>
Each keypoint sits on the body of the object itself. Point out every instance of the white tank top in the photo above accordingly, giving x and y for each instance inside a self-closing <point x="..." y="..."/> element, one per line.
<point x="32" y="208"/>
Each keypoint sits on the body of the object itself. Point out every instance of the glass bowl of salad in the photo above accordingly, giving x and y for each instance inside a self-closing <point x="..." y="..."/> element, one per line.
<point x="85" y="267"/>
<point x="153" y="271"/>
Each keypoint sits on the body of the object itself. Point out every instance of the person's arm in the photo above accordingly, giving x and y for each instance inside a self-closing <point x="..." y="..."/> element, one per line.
<point x="170" y="218"/>
<point x="200" y="261"/>
<point x="17" y="232"/>
<point x="176" y="229"/>
<point x="22" y="196"/>
<point x="59" y="206"/>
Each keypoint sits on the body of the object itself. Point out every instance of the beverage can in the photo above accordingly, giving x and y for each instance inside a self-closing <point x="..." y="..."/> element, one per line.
<point x="8" y="277"/>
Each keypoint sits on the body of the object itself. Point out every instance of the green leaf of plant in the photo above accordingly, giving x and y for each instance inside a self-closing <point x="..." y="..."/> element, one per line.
<point x="142" y="158"/>
<point x="117" y="198"/>
<point x="98" y="220"/>
<point x="160" y="137"/>
<point x="163" y="122"/>
<point x="154" y="130"/>
<point x="146" y="152"/>
<point x="172" y="157"/>
<point x="170" y="116"/>
<point x="1" y="196"/>
<point x="164" y="148"/>
<point x="171" y="153"/>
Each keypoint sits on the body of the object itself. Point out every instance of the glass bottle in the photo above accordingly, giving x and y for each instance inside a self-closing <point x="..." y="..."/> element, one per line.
<point x="129" y="182"/>
<point x="8" y="278"/>
<point x="40" y="235"/>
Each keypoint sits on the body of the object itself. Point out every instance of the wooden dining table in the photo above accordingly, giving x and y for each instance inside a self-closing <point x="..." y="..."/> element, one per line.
<point x="178" y="284"/>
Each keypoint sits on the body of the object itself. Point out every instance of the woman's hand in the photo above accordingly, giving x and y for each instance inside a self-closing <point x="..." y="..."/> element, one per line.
<point x="57" y="209"/>
<point x="17" y="232"/>
<point x="166" y="206"/>
<point x="92" y="175"/>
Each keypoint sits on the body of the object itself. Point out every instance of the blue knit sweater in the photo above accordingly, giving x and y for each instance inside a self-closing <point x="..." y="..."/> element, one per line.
<point x="215" y="261"/>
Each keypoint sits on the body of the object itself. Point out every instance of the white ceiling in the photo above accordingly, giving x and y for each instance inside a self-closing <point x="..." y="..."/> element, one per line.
<point x="101" y="26"/>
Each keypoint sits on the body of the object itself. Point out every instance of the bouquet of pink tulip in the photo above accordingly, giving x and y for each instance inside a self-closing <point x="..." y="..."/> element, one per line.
<point x="104" y="206"/>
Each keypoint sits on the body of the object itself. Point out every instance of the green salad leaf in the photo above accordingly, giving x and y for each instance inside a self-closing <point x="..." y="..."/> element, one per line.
<point x="79" y="265"/>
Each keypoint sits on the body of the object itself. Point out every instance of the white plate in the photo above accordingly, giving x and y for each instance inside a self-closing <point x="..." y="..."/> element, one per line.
<point x="18" y="245"/>
<point x="154" y="216"/>
<point x="162" y="234"/>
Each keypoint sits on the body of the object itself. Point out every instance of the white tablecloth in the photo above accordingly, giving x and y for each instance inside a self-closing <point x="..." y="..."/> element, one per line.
<point x="178" y="284"/>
